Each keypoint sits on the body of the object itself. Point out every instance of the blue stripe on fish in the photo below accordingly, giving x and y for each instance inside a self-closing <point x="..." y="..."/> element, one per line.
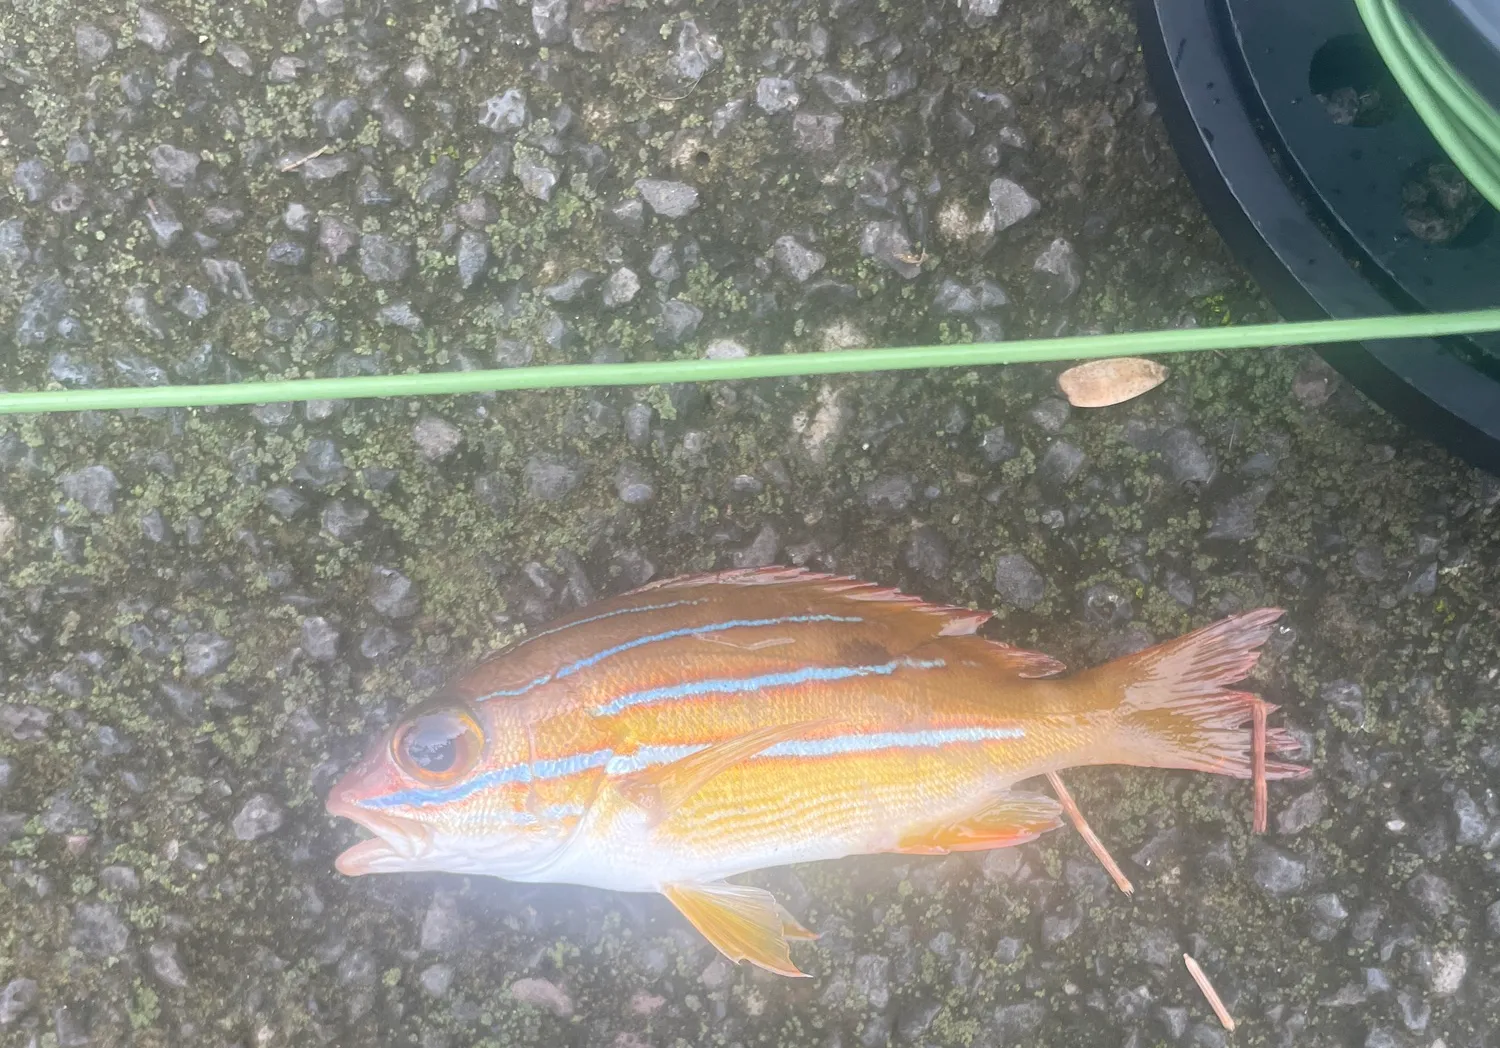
<point x="686" y="631"/>
<point x="736" y="685"/>
<point x="531" y="771"/>
<point x="652" y="756"/>
<point x="837" y="745"/>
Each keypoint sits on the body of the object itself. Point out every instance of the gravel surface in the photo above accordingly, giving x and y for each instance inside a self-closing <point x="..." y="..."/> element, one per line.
<point x="204" y="616"/>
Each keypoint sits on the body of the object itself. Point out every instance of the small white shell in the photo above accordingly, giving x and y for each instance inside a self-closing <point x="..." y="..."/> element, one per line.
<point x="1110" y="380"/>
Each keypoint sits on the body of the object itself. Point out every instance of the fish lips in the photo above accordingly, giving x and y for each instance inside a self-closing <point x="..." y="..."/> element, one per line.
<point x="399" y="844"/>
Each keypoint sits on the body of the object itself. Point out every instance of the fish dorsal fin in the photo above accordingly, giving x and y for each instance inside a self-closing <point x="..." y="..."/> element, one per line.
<point x="662" y="789"/>
<point x="744" y="924"/>
<point x="1011" y="818"/>
<point x="952" y="621"/>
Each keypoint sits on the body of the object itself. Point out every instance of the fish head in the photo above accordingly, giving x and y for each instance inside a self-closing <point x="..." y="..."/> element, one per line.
<point x="446" y="790"/>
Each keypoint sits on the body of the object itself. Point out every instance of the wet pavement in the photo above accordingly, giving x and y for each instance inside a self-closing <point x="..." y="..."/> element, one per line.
<point x="205" y="615"/>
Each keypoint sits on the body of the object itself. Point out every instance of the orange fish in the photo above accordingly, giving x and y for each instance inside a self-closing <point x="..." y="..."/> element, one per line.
<point x="710" y="725"/>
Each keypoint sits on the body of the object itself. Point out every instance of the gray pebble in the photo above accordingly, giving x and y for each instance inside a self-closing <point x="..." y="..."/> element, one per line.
<point x="34" y="179"/>
<point x="1058" y="270"/>
<point x="621" y="288"/>
<point x="384" y="259"/>
<point x="191" y="303"/>
<point x="286" y="253"/>
<point x="669" y="199"/>
<point x="166" y="964"/>
<point x="543" y="994"/>
<point x="174" y="167"/>
<point x="1472" y="825"/>
<point x="888" y="244"/>
<point x="551" y="477"/>
<point x="336" y="237"/>
<point x="392" y="593"/>
<point x="505" y="112"/>
<point x="840" y="90"/>
<point x="889" y="495"/>
<point x="473" y="257"/>
<point x="776" y="94"/>
<point x="320" y="639"/>
<point x="442" y="926"/>
<point x="550" y="20"/>
<point x="1187" y="459"/>
<point x="322" y="466"/>
<point x="1432" y="893"/>
<point x="344" y="520"/>
<point x="1276" y="871"/>
<point x="436" y="438"/>
<point x="155" y="30"/>
<point x="1300" y="813"/>
<point x="1051" y="414"/>
<point x="638" y="424"/>
<point x="1449" y="967"/>
<point x="1018" y="582"/>
<point x="817" y="132"/>
<point x="679" y="320"/>
<point x="24" y="722"/>
<point x="436" y="979"/>
<point x="953" y="297"/>
<point x="872" y="980"/>
<point x="1010" y="204"/>
<point x="663" y="265"/>
<point x="98" y="929"/>
<point x="537" y="177"/>
<point x="697" y="51"/>
<point x="92" y="487"/>
<point x="1013" y="1021"/>
<point x="1415" y="1012"/>
<point x="493" y="490"/>
<point x="1235" y="517"/>
<point x="1346" y="697"/>
<point x="205" y="654"/>
<point x="795" y="260"/>
<point x="1061" y="463"/>
<point x="570" y="287"/>
<point x="7" y="773"/>
<point x="17" y="999"/>
<point x="285" y="502"/>
<point x="259" y="816"/>
<point x="995" y="447"/>
<point x="94" y="44"/>
<point x="762" y="550"/>
<point x="725" y="349"/>
<point x="633" y="484"/>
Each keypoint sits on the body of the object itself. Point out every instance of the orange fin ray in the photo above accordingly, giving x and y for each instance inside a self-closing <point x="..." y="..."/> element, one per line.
<point x="742" y="923"/>
<point x="662" y="789"/>
<point x="1012" y="818"/>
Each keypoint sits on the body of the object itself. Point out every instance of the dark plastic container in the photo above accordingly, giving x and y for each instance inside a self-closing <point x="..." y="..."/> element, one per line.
<point x="1333" y="194"/>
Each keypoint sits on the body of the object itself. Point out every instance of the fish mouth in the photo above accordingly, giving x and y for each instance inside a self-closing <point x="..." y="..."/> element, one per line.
<point x="399" y="844"/>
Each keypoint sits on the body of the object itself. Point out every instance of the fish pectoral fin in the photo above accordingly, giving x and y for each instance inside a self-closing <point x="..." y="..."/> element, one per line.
<point x="662" y="789"/>
<point x="1009" y="819"/>
<point x="744" y="924"/>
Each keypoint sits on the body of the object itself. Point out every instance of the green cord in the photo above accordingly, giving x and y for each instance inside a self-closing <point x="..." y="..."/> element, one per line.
<point x="558" y="376"/>
<point x="1465" y="125"/>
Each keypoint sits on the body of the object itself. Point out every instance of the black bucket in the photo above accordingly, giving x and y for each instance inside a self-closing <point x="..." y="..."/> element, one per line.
<point x="1332" y="193"/>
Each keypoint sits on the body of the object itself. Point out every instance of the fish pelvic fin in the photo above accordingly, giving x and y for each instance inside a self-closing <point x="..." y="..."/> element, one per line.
<point x="1009" y="819"/>
<point x="1177" y="711"/>
<point x="744" y="924"/>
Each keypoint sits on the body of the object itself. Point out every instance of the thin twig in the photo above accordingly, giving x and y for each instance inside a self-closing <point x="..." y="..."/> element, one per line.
<point x="295" y="164"/>
<point x="1225" y="1019"/>
<point x="1258" y="763"/>
<point x="1095" y="844"/>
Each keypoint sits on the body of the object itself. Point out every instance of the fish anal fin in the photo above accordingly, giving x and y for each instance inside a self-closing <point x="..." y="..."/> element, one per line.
<point x="1010" y="819"/>
<point x="742" y="923"/>
<point x="660" y="790"/>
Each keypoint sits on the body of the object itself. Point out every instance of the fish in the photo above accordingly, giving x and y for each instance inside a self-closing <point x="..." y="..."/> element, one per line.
<point x="708" y="726"/>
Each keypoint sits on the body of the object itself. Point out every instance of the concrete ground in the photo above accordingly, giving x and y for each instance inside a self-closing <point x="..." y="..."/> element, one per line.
<point x="204" y="616"/>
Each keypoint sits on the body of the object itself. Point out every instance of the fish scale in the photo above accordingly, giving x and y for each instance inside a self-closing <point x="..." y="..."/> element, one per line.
<point x="708" y="726"/>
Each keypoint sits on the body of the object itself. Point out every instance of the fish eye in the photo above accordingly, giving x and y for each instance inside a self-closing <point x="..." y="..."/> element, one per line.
<point x="438" y="746"/>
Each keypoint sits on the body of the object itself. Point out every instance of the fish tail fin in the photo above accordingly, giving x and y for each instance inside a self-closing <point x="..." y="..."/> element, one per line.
<point x="1176" y="710"/>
